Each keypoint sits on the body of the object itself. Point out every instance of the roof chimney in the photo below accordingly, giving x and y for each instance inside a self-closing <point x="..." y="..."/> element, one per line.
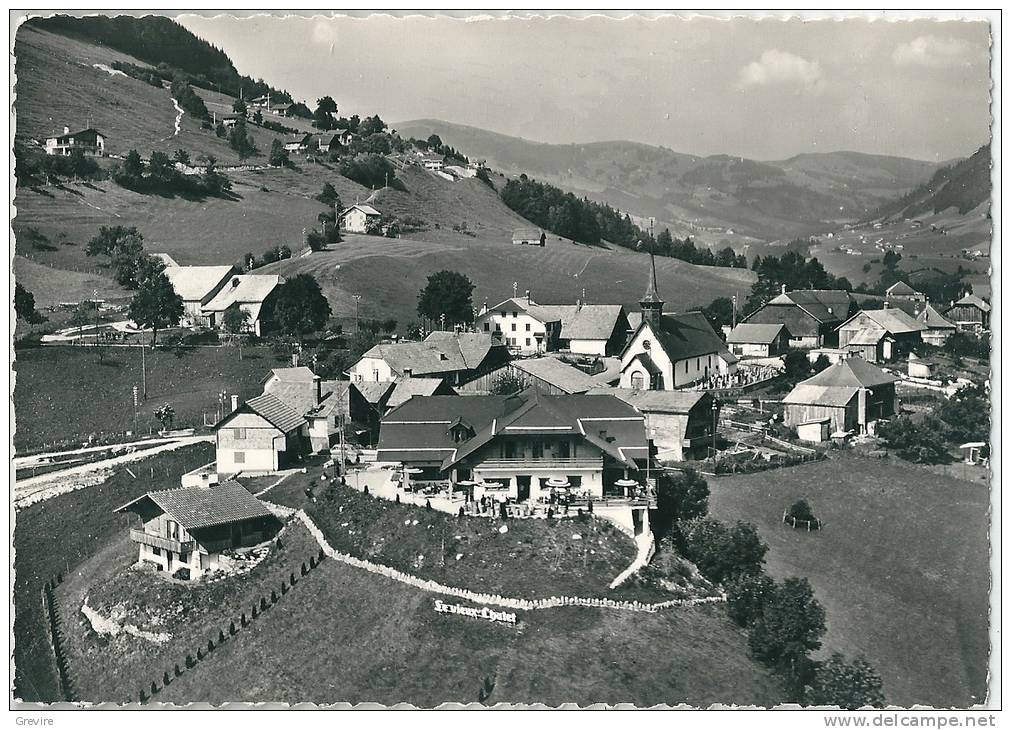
<point x="527" y="295"/>
<point x="782" y="288"/>
<point x="317" y="391"/>
<point x="235" y="402"/>
<point x="884" y="305"/>
<point x="66" y="130"/>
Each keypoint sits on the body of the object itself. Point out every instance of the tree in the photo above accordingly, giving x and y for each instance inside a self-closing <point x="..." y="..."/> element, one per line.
<point x="161" y="169"/>
<point x="182" y="157"/>
<point x="165" y="415"/>
<point x="298" y="307"/>
<point x="24" y="305"/>
<point x="849" y="686"/>
<point x="219" y="130"/>
<point x="239" y="107"/>
<point x="920" y="441"/>
<point x="796" y="365"/>
<point x="447" y="293"/>
<point x="434" y="142"/>
<point x="680" y="496"/>
<point x="235" y="320"/>
<point x="241" y="141"/>
<point x="83" y="316"/>
<point x="791" y="624"/>
<point x="967" y="414"/>
<point x="328" y="196"/>
<point x="278" y="154"/>
<point x="719" y="551"/>
<point x="719" y="312"/>
<point x="891" y="259"/>
<point x="156" y="305"/>
<point x="214" y="182"/>
<point x="747" y="595"/>
<point x="257" y="117"/>
<point x="131" y="172"/>
<point x="124" y="247"/>
<point x="371" y="125"/>
<point x="507" y="384"/>
<point x="323" y="117"/>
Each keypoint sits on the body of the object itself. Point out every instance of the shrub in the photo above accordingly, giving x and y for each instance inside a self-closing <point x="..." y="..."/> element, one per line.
<point x="747" y="595"/>
<point x="165" y="679"/>
<point x="189" y="661"/>
<point x="850" y="686"/>
<point x="719" y="551"/>
<point x="919" y="442"/>
<point x="210" y="645"/>
<point x="801" y="510"/>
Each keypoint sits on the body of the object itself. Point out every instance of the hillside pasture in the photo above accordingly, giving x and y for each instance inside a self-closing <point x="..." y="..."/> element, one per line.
<point x="66" y="393"/>
<point x="901" y="566"/>
<point x="346" y="635"/>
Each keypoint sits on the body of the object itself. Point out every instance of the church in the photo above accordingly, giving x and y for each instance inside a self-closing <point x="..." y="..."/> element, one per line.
<point x="671" y="351"/>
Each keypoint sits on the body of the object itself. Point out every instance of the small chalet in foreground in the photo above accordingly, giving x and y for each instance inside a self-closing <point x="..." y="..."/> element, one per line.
<point x="851" y="394"/>
<point x="88" y="141"/>
<point x="670" y="351"/>
<point x="189" y="528"/>
<point x="358" y="218"/>
<point x="519" y="441"/>
<point x="811" y="315"/>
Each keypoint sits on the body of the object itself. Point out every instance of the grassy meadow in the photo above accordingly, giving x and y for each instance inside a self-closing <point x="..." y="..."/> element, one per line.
<point x="901" y="566"/>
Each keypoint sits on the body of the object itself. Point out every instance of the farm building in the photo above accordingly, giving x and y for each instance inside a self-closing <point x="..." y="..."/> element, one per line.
<point x="248" y="292"/>
<point x="970" y="314"/>
<point x="529" y="237"/>
<point x="188" y="529"/>
<point x="902" y="290"/>
<point x="358" y="218"/>
<point x="322" y="143"/>
<point x="880" y="335"/>
<point x="432" y="163"/>
<point x="937" y="326"/>
<point x="530" y="328"/>
<point x="281" y="110"/>
<point x="670" y="351"/>
<point x="323" y="403"/>
<point x="547" y="374"/>
<point x="519" y="441"/>
<point x="811" y="315"/>
<point x="852" y="393"/>
<point x="457" y="357"/>
<point x="759" y="340"/>
<point x="298" y="143"/>
<point x="88" y="141"/>
<point x="262" y="435"/>
<point x="197" y="285"/>
<point x="678" y="423"/>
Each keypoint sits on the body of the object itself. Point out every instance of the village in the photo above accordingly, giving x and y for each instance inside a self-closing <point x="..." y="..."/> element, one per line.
<point x="350" y="416"/>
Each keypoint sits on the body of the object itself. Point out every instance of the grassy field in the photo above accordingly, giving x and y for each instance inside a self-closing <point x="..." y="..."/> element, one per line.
<point x="58" y="535"/>
<point x="901" y="566"/>
<point x="349" y="636"/>
<point x="54" y="383"/>
<point x="189" y="614"/>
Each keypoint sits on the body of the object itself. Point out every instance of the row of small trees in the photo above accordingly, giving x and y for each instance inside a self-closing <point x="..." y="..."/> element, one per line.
<point x="202" y="652"/>
<point x="784" y="621"/>
<point x="56" y="630"/>
<point x="159" y="175"/>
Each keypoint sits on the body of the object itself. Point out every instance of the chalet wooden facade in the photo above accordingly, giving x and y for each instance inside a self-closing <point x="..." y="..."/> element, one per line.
<point x="852" y="393"/>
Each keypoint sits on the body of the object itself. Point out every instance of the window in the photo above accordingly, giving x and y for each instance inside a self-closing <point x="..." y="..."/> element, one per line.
<point x="646" y="344"/>
<point x="498" y="327"/>
<point x="638" y="381"/>
<point x="537" y="449"/>
<point x="171" y="529"/>
<point x="239" y="433"/>
<point x="155" y="550"/>
<point x="487" y="327"/>
<point x="528" y="326"/>
<point x="528" y="342"/>
<point x="239" y="457"/>
<point x="513" y="313"/>
<point x="513" y="328"/>
<point x="375" y="375"/>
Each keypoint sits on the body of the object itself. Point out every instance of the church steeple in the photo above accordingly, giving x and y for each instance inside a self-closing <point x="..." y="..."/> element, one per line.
<point x="651" y="305"/>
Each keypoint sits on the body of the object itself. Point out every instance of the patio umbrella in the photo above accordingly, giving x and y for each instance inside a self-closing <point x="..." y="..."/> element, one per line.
<point x="626" y="484"/>
<point x="408" y="472"/>
<point x="558" y="483"/>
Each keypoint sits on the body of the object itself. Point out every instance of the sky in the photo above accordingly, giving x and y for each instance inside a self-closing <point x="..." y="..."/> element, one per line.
<point x="765" y="89"/>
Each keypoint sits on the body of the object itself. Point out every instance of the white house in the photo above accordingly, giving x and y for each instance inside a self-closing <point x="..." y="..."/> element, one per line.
<point x="457" y="357"/>
<point x="197" y="285"/>
<point x="358" y="217"/>
<point x="262" y="436"/>
<point x="88" y="141"/>
<point x="670" y="351"/>
<point x="528" y="328"/>
<point x="249" y="292"/>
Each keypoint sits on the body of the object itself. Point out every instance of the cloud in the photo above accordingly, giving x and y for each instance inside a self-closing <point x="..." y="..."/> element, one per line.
<point x="779" y="68"/>
<point x="931" y="51"/>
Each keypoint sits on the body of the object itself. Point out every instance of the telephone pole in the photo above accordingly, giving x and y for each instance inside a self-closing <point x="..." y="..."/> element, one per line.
<point x="143" y="369"/>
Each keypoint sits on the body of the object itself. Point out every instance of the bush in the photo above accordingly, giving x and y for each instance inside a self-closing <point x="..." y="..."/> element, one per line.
<point x="680" y="496"/>
<point x="917" y="441"/>
<point x="801" y="510"/>
<point x="849" y="686"/>
<point x="747" y="595"/>
<point x="719" y="551"/>
<point x="371" y="171"/>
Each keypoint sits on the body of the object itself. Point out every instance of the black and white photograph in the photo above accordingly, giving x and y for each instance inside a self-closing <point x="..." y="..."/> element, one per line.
<point x="506" y="359"/>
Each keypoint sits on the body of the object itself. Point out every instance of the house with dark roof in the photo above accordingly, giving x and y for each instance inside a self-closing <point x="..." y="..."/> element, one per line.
<point x="323" y="403"/>
<point x="852" y="394"/>
<point x="87" y="141"/>
<point x="758" y="340"/>
<point x="880" y="335"/>
<point x="456" y="357"/>
<point x="679" y="423"/>
<point x="261" y="436"/>
<point x="528" y="328"/>
<point x="519" y="441"/>
<point x="811" y="315"/>
<point x="191" y="529"/>
<point x="937" y="327"/>
<point x="970" y="314"/>
<point x="670" y="351"/>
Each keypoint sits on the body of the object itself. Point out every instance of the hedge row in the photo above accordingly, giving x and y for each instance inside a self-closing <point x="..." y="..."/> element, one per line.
<point x="51" y="605"/>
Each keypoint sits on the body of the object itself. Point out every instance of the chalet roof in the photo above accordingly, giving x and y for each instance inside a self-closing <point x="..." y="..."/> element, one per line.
<point x="198" y="507"/>
<point x="893" y="321"/>
<point x="300" y="374"/>
<point x="686" y="335"/>
<point x="824" y="305"/>
<point x="373" y="392"/>
<point x="59" y="137"/>
<point x="335" y="397"/>
<point x="900" y="289"/>
<point x="852" y="372"/>
<point x="557" y="373"/>
<point x="440" y="352"/>
<point x="407" y="388"/>
<point x="245" y="289"/>
<point x="276" y="412"/>
<point x="366" y="209"/>
<point x="679" y="402"/>
<point x="527" y="234"/>
<point x="820" y="395"/>
<point x="971" y="300"/>
<point x="934" y="320"/>
<point x="747" y="333"/>
<point x="194" y="283"/>
<point x="591" y="321"/>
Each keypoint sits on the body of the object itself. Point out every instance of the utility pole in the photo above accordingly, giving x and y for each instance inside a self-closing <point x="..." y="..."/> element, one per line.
<point x="357" y="298"/>
<point x="734" y="315"/>
<point x="143" y="369"/>
<point x="442" y="321"/>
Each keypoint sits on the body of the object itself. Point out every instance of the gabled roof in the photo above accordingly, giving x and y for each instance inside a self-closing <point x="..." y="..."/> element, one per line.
<point x="275" y="411"/>
<point x="366" y="209"/>
<point x="199" y="507"/>
<point x="820" y="395"/>
<point x="747" y="333"/>
<point x="868" y="336"/>
<point x="934" y="320"/>
<point x="591" y="322"/>
<point x="685" y="335"/>
<point x="824" y="305"/>
<point x="335" y="398"/>
<point x="195" y="283"/>
<point x="900" y="289"/>
<point x="440" y="352"/>
<point x="527" y="234"/>
<point x="557" y="373"/>
<point x="971" y="300"/>
<point x="407" y="388"/>
<point x="679" y="402"/>
<point x="373" y="392"/>
<point x="647" y="362"/>
<point x="300" y="374"/>
<point x="891" y="320"/>
<point x="244" y="289"/>
<point x="853" y="372"/>
<point x="75" y="134"/>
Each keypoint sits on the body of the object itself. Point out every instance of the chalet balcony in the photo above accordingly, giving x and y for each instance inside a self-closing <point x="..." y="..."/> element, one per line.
<point x="177" y="546"/>
<point x="547" y="462"/>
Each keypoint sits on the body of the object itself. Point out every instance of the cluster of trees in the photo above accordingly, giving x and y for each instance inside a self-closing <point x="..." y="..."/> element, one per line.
<point x="34" y="167"/>
<point x="297" y="309"/>
<point x="447" y="294"/>
<point x="240" y="140"/>
<point x="685" y="250"/>
<point x="271" y="255"/>
<point x="928" y="439"/>
<point x="792" y="269"/>
<point x="160" y="175"/>
<point x="188" y="99"/>
<point x="152" y="76"/>
<point x="371" y="171"/>
<point x="155" y="305"/>
<point x="784" y="621"/>
<point x="435" y="145"/>
<point x="24" y="305"/>
<point x="124" y="249"/>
